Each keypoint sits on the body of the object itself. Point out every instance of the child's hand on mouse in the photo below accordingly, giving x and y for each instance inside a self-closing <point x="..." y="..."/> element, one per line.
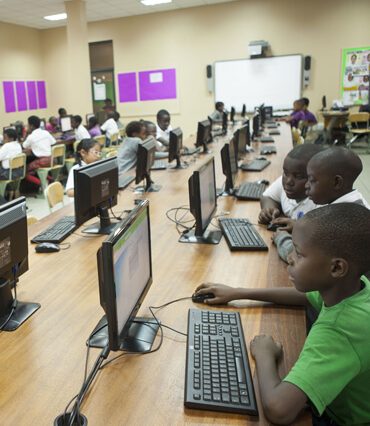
<point x="268" y="214"/>
<point x="284" y="223"/>
<point x="222" y="293"/>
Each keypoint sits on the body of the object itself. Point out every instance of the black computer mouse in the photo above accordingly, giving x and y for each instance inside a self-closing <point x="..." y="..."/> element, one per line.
<point x="200" y="298"/>
<point x="264" y="181"/>
<point x="261" y="158"/>
<point x="272" y="227"/>
<point x="47" y="248"/>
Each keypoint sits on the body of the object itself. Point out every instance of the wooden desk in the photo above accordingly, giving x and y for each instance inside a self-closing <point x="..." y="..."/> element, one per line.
<point x="41" y="364"/>
<point x="335" y="119"/>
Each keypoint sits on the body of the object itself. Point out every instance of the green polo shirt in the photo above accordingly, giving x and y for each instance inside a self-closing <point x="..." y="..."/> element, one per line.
<point x="333" y="369"/>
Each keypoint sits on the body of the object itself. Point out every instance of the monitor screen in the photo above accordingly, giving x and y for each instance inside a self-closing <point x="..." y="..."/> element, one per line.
<point x="88" y="116"/>
<point x="96" y="189"/>
<point x="175" y="146"/>
<point x="66" y="123"/>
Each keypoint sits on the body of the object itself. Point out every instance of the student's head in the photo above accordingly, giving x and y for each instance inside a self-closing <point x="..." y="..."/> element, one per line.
<point x="219" y="106"/>
<point x="331" y="174"/>
<point x="76" y="121"/>
<point x="294" y="170"/>
<point x="108" y="102"/>
<point x="10" y="135"/>
<point x="353" y="58"/>
<point x="62" y="112"/>
<point x="306" y="103"/>
<point x="136" y="129"/>
<point x="329" y="246"/>
<point x="53" y="121"/>
<point x="298" y="105"/>
<point x="150" y="129"/>
<point x="163" y="119"/>
<point x="116" y="116"/>
<point x="33" y="122"/>
<point x="111" y="114"/>
<point x="350" y="77"/>
<point x="88" y="150"/>
<point x="92" y="122"/>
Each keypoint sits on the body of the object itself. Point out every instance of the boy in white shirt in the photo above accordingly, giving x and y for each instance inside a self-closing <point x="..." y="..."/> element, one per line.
<point x="110" y="127"/>
<point x="8" y="150"/>
<point x="80" y="130"/>
<point x="163" y="128"/>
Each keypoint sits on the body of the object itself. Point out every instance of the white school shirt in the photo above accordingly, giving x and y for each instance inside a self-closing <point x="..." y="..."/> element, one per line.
<point x="82" y="133"/>
<point x="71" y="177"/>
<point x="291" y="208"/>
<point x="110" y="127"/>
<point x="164" y="134"/>
<point x="354" y="196"/>
<point x="7" y="151"/>
<point x="40" y="142"/>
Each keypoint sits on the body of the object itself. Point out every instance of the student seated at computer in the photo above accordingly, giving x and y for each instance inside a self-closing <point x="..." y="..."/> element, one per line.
<point x="52" y="125"/>
<point x="163" y="128"/>
<point x="110" y="127"/>
<point x="331" y="174"/>
<point x="287" y="195"/>
<point x="88" y="151"/>
<point x="309" y="117"/>
<point x="127" y="152"/>
<point x="9" y="149"/>
<point x="297" y="115"/>
<point x="332" y="373"/>
<point x="93" y="127"/>
<point x="151" y="130"/>
<point x="80" y="130"/>
<point x="108" y="105"/>
<point x="217" y="115"/>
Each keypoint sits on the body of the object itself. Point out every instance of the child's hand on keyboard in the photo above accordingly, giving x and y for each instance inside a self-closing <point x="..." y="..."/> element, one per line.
<point x="222" y="293"/>
<point x="284" y="223"/>
<point x="265" y="345"/>
<point x="268" y="214"/>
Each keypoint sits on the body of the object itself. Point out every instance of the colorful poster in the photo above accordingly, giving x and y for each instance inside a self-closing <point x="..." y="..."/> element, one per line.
<point x="355" y="76"/>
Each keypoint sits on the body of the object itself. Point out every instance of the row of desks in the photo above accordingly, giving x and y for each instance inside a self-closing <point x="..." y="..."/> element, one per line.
<point x="42" y="363"/>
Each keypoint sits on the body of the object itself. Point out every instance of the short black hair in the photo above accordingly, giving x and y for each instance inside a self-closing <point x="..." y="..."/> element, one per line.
<point x="134" y="127"/>
<point x="34" y="121"/>
<point x="107" y="100"/>
<point x="305" y="151"/>
<point x="86" y="145"/>
<point x="219" y="104"/>
<point x="116" y="115"/>
<point x="11" y="133"/>
<point x="62" y="111"/>
<point x="93" y="121"/>
<point x="305" y="101"/>
<point x="161" y="113"/>
<point x="342" y="230"/>
<point x="77" y="119"/>
<point x="148" y="123"/>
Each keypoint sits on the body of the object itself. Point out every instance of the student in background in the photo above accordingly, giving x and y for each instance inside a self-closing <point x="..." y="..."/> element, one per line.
<point x="310" y="119"/>
<point x="80" y="130"/>
<point x="163" y="127"/>
<point x="88" y="151"/>
<point x="52" y="126"/>
<point x="62" y="112"/>
<point x="297" y="115"/>
<point x="93" y="127"/>
<point x="151" y="131"/>
<point x="127" y="152"/>
<point x="119" y="123"/>
<point x="217" y="115"/>
<point x="10" y="148"/>
<point x="110" y="127"/>
<point x="332" y="373"/>
<point x="108" y="105"/>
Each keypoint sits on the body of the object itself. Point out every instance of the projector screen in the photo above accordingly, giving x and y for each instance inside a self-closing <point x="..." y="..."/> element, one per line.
<point x="275" y="81"/>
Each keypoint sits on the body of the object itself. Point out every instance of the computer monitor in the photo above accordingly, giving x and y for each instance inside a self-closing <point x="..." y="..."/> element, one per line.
<point x="145" y="160"/>
<point x="125" y="276"/>
<point x="232" y="115"/>
<point x="269" y="112"/>
<point x="96" y="189"/>
<point x="66" y="123"/>
<point x="244" y="110"/>
<point x="203" y="204"/>
<point x="229" y="166"/>
<point x="88" y="116"/>
<point x="13" y="263"/>
<point x="256" y="126"/>
<point x="323" y="103"/>
<point x="224" y="123"/>
<point x="261" y="110"/>
<point x="175" y="147"/>
<point x="204" y="135"/>
<point x="242" y="138"/>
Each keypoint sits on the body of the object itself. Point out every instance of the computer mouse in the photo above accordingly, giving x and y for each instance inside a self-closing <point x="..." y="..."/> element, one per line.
<point x="264" y="181"/>
<point x="46" y="248"/>
<point x="261" y="158"/>
<point x="272" y="227"/>
<point x="200" y="298"/>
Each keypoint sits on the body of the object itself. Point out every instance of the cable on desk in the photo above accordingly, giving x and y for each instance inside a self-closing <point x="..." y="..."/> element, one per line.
<point x="179" y="221"/>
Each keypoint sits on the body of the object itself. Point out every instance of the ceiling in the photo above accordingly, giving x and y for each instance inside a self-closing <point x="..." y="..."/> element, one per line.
<point x="30" y="12"/>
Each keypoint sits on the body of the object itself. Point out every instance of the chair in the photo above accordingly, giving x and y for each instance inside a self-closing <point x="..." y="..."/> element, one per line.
<point x="57" y="162"/>
<point x="54" y="193"/>
<point x="296" y="133"/>
<point x="15" y="163"/>
<point x="359" y="126"/>
<point x="122" y="133"/>
<point x="31" y="220"/>
<point x="69" y="162"/>
<point x="114" y="139"/>
<point x="101" y="140"/>
<point x="112" y="153"/>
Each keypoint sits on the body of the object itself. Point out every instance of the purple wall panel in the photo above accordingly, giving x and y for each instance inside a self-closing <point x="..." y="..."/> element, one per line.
<point x="41" y="93"/>
<point x="32" y="97"/>
<point x="127" y="87"/>
<point x="9" y="96"/>
<point x="21" y="95"/>
<point x="157" y="84"/>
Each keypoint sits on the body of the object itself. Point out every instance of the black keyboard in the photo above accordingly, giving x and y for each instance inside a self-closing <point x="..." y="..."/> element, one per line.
<point x="255" y="165"/>
<point x="274" y="132"/>
<point x="265" y="139"/>
<point x="57" y="232"/>
<point x="159" y="165"/>
<point x="190" y="151"/>
<point x="218" y="376"/>
<point x="124" y="181"/>
<point x="240" y="234"/>
<point x="268" y="149"/>
<point x="250" y="191"/>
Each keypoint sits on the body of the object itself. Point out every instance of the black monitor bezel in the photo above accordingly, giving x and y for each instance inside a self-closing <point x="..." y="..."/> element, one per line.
<point x="145" y="160"/>
<point x="174" y="147"/>
<point x="201" y="132"/>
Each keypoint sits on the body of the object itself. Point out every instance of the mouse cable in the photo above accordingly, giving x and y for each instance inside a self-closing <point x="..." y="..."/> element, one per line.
<point x="68" y="245"/>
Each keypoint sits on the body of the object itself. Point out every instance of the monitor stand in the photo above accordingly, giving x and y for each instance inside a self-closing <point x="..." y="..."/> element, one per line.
<point x="149" y="186"/>
<point x="104" y="227"/>
<point x="179" y="165"/>
<point x="22" y="310"/>
<point x="209" y="237"/>
<point x="139" y="338"/>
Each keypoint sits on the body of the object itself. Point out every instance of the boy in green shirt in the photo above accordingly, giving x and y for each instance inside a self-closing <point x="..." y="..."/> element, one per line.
<point x="331" y="254"/>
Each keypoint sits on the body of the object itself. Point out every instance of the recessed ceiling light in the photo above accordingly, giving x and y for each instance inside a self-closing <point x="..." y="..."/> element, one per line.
<point x="57" y="17"/>
<point x="154" y="2"/>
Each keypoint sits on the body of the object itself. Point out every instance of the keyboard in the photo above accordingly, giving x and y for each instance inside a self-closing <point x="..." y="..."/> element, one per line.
<point x="218" y="376"/>
<point x="268" y="149"/>
<point x="159" y="165"/>
<point x="240" y="234"/>
<point x="265" y="139"/>
<point x="57" y="232"/>
<point x="274" y="132"/>
<point x="271" y="126"/>
<point x="190" y="151"/>
<point x="255" y="165"/>
<point x="250" y="191"/>
<point x="124" y="181"/>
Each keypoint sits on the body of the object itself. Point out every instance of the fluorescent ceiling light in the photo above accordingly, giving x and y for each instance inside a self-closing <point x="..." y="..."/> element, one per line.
<point x="57" y="17"/>
<point x="154" y="2"/>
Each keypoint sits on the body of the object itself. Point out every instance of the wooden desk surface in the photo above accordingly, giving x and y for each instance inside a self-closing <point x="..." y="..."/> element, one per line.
<point x="41" y="364"/>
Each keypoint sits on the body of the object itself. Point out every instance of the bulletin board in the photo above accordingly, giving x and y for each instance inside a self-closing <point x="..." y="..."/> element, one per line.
<point x="355" y="76"/>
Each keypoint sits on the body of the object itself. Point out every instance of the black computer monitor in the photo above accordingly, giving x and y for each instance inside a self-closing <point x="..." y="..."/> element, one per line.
<point x="66" y="123"/>
<point x="232" y="115"/>
<point x="224" y="123"/>
<point x="256" y="126"/>
<point x="323" y="103"/>
<point x="203" y="204"/>
<point x="244" y="110"/>
<point x="13" y="263"/>
<point x="125" y="276"/>
<point x="261" y="110"/>
<point x="145" y="160"/>
<point x="175" y="147"/>
<point x="204" y="136"/>
<point x="229" y="166"/>
<point x="242" y="138"/>
<point x="88" y="116"/>
<point x="96" y="189"/>
<point x="269" y="112"/>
